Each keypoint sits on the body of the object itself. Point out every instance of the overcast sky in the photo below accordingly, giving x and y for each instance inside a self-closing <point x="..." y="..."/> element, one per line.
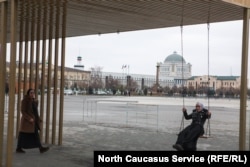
<point x="141" y="50"/>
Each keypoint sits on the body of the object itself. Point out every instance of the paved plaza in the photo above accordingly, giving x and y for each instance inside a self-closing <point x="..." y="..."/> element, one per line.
<point x="131" y="123"/>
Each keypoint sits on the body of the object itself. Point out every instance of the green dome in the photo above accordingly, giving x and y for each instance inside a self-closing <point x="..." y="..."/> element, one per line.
<point x="174" y="58"/>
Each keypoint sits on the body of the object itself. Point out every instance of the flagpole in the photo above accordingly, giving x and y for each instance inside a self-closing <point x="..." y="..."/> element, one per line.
<point x="128" y="69"/>
<point x="122" y="75"/>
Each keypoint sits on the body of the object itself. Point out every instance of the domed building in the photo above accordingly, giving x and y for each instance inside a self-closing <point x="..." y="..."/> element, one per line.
<point x="175" y="66"/>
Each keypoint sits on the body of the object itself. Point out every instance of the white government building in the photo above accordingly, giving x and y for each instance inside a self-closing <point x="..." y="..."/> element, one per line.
<point x="169" y="73"/>
<point x="174" y="68"/>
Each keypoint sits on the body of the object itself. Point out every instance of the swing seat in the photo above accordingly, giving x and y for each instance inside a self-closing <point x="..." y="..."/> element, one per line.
<point x="205" y="136"/>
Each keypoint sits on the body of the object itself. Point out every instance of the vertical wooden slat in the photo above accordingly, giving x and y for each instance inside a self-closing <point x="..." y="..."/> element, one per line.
<point x="38" y="38"/>
<point x="20" y="68"/>
<point x="26" y="46"/>
<point x="12" y="82"/>
<point x="243" y="87"/>
<point x="3" y="26"/>
<point x="51" y="17"/>
<point x="32" y="37"/>
<point x="58" y="6"/>
<point x="64" y="16"/>
<point x="44" y="53"/>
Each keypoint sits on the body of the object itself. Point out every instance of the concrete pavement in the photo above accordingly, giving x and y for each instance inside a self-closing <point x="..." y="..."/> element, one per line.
<point x="83" y="136"/>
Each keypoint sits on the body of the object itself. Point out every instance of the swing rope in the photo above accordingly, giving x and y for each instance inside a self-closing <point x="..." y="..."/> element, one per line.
<point x="208" y="132"/>
<point x="183" y="99"/>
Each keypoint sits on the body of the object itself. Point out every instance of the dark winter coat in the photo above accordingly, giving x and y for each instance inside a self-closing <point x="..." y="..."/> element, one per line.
<point x="29" y="110"/>
<point x="198" y="117"/>
<point x="188" y="137"/>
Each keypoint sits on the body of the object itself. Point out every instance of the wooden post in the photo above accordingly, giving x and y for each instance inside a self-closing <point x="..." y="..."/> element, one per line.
<point x="12" y="78"/>
<point x="58" y="6"/>
<point x="243" y="89"/>
<point x="26" y="47"/>
<point x="44" y="70"/>
<point x="38" y="38"/>
<point x="51" y="17"/>
<point x="20" y="67"/>
<point x="32" y="37"/>
<point x="60" y="134"/>
<point x="3" y="25"/>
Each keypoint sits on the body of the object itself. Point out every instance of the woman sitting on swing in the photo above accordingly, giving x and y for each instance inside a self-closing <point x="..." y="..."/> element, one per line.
<point x="187" y="138"/>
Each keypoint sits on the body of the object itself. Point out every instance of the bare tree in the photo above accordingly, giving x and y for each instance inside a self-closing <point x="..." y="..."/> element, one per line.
<point x="175" y="89"/>
<point x="221" y="92"/>
<point x="96" y="77"/>
<point x="191" y="91"/>
<point x="132" y="85"/>
<point x="111" y="83"/>
<point x="166" y="89"/>
<point x="82" y="85"/>
<point x="237" y="92"/>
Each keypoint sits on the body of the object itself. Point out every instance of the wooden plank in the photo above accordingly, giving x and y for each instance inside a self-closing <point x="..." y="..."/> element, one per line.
<point x="243" y="3"/>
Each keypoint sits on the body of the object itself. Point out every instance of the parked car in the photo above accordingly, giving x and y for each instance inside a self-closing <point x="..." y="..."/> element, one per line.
<point x="82" y="92"/>
<point x="100" y="92"/>
<point x="68" y="92"/>
<point x="76" y="92"/>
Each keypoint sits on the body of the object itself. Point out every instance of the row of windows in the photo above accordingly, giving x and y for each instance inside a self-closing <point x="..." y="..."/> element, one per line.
<point x="206" y="83"/>
<point x="229" y="83"/>
<point x="136" y="78"/>
<point x="167" y="69"/>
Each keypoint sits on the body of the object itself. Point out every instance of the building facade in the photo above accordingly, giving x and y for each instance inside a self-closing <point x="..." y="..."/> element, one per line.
<point x="74" y="77"/>
<point x="204" y="83"/>
<point x="175" y="68"/>
<point x="174" y="71"/>
<point x="142" y="80"/>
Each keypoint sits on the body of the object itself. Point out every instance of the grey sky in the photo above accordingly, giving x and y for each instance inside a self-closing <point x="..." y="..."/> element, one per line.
<point x="141" y="50"/>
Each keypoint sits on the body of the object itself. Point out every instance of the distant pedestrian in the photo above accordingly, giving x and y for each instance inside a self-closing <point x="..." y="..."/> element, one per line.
<point x="188" y="137"/>
<point x="30" y="125"/>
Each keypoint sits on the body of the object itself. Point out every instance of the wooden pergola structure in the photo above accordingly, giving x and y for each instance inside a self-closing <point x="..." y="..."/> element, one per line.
<point x="36" y="29"/>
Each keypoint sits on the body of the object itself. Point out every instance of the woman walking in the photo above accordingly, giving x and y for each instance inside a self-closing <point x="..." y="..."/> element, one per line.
<point x="30" y="125"/>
